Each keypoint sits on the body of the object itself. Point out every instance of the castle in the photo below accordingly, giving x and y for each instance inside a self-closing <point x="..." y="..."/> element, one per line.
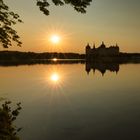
<point x="101" y="52"/>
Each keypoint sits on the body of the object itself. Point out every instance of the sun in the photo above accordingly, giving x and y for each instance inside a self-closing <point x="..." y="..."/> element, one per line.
<point x="55" y="39"/>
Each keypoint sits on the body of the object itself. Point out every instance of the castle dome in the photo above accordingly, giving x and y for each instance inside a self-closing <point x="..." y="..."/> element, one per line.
<point x="102" y="45"/>
<point x="88" y="47"/>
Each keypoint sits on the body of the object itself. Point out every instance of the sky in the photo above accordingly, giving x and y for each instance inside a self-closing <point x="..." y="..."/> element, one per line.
<point x="111" y="21"/>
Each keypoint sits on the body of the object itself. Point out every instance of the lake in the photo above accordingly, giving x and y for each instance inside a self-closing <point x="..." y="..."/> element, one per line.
<point x="75" y="101"/>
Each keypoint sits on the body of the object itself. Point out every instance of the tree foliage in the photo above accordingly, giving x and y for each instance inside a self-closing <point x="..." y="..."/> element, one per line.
<point x="78" y="5"/>
<point x="7" y="130"/>
<point x="9" y="18"/>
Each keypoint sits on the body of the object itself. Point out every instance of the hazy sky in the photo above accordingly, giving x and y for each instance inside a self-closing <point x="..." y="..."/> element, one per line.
<point x="111" y="21"/>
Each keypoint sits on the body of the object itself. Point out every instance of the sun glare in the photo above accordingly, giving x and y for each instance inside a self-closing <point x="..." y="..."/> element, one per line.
<point x="55" y="39"/>
<point x="54" y="77"/>
<point x="54" y="59"/>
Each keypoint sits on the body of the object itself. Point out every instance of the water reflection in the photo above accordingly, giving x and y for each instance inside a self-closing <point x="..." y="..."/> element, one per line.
<point x="102" y="67"/>
<point x="2" y="99"/>
<point x="55" y="77"/>
<point x="79" y="107"/>
<point x="54" y="59"/>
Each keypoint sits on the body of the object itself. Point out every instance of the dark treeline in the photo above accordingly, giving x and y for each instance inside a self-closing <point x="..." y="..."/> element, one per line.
<point x="15" y="58"/>
<point x="40" y="61"/>
<point x="129" y="57"/>
<point x="16" y="55"/>
<point x="123" y="54"/>
<point x="120" y="58"/>
<point x="9" y="58"/>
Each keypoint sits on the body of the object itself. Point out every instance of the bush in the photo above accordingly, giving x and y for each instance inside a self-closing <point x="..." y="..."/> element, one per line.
<point x="7" y="116"/>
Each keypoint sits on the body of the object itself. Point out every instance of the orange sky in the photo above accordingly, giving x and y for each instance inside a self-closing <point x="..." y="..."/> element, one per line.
<point x="110" y="21"/>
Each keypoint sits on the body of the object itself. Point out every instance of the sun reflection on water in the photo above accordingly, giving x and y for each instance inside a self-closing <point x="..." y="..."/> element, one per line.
<point x="54" y="59"/>
<point x="55" y="77"/>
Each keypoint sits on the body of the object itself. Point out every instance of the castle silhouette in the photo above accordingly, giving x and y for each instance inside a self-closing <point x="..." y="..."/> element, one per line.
<point x="101" y="52"/>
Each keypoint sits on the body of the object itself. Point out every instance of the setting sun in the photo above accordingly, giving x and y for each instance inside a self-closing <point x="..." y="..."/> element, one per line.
<point x="55" y="39"/>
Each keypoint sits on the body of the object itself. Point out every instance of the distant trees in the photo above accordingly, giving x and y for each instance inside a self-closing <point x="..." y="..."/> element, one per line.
<point x="9" y="18"/>
<point x="23" y="56"/>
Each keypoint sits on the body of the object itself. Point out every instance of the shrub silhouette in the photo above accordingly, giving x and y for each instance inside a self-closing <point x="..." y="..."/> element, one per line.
<point x="7" y="116"/>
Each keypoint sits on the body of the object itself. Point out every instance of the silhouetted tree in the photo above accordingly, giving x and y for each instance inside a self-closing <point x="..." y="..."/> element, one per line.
<point x="9" y="18"/>
<point x="7" y="130"/>
<point x="78" y="5"/>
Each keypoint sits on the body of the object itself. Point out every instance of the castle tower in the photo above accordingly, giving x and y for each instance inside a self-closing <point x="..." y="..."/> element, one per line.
<point x="117" y="48"/>
<point x="102" y="45"/>
<point x="88" y="50"/>
<point x="94" y="46"/>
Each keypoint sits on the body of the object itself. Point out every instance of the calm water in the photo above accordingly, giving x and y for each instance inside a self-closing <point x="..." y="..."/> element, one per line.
<point x="64" y="102"/>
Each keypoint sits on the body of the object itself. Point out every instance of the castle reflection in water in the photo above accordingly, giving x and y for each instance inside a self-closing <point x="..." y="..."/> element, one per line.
<point x="102" y="58"/>
<point x="102" y="67"/>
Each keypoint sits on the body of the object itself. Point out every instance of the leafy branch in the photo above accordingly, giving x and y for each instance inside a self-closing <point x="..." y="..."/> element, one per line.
<point x="9" y="18"/>
<point x="7" y="116"/>
<point x="78" y="5"/>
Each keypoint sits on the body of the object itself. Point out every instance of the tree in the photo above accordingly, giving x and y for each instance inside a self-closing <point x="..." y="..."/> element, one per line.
<point x="8" y="131"/>
<point x="9" y="18"/>
<point x="79" y="5"/>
